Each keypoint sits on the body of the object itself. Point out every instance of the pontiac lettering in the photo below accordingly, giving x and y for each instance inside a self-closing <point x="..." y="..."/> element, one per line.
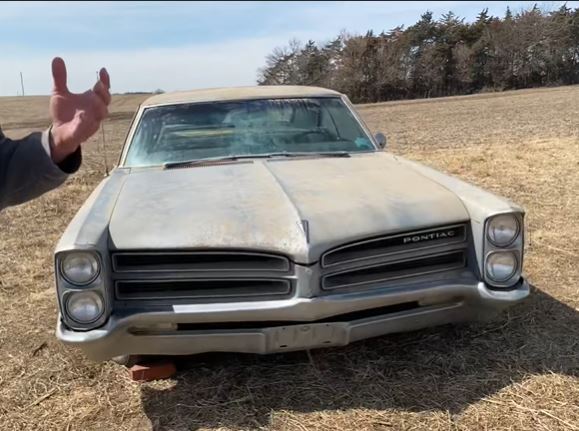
<point x="429" y="236"/>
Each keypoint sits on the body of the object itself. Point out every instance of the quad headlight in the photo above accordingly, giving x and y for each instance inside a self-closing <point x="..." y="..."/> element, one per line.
<point x="81" y="281"/>
<point x="503" y="249"/>
<point x="84" y="307"/>
<point x="503" y="229"/>
<point x="501" y="265"/>
<point x="80" y="267"/>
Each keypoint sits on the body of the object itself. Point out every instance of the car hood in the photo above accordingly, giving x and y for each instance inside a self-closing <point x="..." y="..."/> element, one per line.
<point x="297" y="207"/>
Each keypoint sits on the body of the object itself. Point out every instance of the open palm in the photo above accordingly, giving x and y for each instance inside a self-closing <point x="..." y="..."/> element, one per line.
<point x="75" y="117"/>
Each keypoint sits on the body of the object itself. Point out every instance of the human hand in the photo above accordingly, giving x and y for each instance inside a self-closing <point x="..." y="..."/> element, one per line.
<point x="75" y="117"/>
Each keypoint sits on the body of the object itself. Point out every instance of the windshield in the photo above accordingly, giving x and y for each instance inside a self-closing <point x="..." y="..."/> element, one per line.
<point x="179" y="133"/>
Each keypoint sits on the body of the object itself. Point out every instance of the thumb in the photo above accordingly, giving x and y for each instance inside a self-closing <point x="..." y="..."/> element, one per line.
<point x="104" y="78"/>
<point x="59" y="75"/>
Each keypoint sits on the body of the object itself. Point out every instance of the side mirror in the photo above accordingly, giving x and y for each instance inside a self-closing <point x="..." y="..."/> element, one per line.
<point x="380" y="139"/>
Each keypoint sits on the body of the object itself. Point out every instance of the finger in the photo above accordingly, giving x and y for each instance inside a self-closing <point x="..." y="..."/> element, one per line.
<point x="59" y="75"/>
<point x="101" y="91"/>
<point x="101" y="110"/>
<point x="105" y="78"/>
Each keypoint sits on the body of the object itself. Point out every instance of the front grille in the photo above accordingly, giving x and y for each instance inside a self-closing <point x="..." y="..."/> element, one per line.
<point x="387" y="245"/>
<point x="200" y="276"/>
<point x="198" y="261"/>
<point x="385" y="271"/>
<point x="210" y="288"/>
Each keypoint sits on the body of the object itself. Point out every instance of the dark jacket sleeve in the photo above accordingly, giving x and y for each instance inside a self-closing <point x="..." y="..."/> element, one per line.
<point x="27" y="171"/>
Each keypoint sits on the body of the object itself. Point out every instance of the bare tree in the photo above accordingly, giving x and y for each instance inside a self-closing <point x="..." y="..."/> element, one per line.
<point x="438" y="57"/>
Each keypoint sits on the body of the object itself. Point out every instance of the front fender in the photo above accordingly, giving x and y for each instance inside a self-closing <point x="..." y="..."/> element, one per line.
<point x="480" y="204"/>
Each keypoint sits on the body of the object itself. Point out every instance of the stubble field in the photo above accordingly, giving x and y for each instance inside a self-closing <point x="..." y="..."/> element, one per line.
<point x="518" y="372"/>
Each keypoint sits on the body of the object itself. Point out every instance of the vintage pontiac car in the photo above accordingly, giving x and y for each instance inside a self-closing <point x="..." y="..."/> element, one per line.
<point x="269" y="219"/>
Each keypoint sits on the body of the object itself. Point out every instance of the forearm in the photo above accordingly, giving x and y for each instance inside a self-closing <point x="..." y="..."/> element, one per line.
<point x="27" y="170"/>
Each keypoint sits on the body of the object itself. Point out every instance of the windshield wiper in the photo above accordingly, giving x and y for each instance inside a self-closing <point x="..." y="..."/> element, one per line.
<point x="306" y="154"/>
<point x="254" y="156"/>
<point x="203" y="161"/>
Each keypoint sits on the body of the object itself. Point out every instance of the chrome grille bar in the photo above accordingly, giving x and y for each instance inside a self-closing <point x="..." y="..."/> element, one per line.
<point x="210" y="288"/>
<point x="197" y="261"/>
<point x="387" y="271"/>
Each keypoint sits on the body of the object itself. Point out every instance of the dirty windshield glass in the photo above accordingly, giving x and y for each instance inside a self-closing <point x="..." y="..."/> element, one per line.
<point x="179" y="133"/>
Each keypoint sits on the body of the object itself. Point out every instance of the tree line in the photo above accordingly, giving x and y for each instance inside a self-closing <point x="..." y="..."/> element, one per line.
<point x="433" y="58"/>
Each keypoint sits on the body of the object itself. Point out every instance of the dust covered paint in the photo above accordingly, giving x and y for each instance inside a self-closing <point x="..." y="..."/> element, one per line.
<point x="277" y="251"/>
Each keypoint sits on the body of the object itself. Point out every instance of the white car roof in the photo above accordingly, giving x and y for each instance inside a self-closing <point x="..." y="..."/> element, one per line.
<point x="238" y="93"/>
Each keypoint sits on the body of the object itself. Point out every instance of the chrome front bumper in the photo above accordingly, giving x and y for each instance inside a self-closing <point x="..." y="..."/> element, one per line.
<point x="146" y="333"/>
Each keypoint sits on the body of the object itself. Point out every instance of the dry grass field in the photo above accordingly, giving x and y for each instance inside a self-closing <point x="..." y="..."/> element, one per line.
<point x="518" y="372"/>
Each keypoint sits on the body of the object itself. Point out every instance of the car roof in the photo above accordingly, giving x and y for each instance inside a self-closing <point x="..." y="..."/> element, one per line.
<point x="238" y="93"/>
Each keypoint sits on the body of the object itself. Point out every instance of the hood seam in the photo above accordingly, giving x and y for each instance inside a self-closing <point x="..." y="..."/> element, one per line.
<point x="293" y="204"/>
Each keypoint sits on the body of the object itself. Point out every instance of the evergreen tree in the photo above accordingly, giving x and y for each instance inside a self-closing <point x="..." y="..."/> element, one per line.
<point x="438" y="57"/>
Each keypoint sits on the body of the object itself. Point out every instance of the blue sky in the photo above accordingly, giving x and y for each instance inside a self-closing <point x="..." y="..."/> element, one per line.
<point x="179" y="45"/>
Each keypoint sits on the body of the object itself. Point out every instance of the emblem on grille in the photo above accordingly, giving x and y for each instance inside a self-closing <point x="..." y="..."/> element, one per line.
<point x="380" y="246"/>
<point x="429" y="236"/>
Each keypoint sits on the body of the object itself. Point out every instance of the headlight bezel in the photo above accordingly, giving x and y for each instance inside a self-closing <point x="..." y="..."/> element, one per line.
<point x="100" y="284"/>
<point x="68" y="255"/>
<point x="516" y="246"/>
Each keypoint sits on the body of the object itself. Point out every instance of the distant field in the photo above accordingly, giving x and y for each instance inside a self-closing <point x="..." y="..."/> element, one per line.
<point x="519" y="372"/>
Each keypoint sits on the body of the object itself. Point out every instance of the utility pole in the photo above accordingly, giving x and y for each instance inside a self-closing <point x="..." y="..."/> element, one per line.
<point x="22" y="83"/>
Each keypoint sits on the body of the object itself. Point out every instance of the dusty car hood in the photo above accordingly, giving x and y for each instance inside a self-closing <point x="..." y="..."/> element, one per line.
<point x="262" y="205"/>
